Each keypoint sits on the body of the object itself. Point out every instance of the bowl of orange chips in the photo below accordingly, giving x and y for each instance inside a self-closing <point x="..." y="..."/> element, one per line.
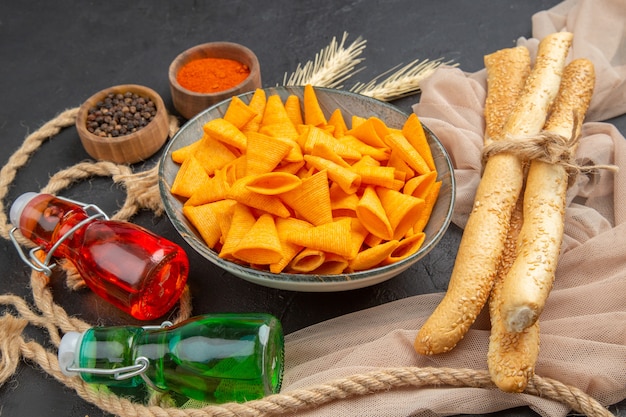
<point x="308" y="188"/>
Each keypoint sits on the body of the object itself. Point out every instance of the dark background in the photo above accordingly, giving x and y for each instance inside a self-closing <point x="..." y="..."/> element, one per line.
<point x="55" y="54"/>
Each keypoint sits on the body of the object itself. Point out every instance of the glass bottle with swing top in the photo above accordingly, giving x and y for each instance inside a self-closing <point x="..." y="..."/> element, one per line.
<point x="127" y="265"/>
<point x="214" y="358"/>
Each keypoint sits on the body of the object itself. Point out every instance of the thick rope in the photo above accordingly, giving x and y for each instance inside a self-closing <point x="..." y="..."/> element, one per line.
<point x="382" y="380"/>
<point x="142" y="192"/>
<point x="21" y="156"/>
<point x="547" y="147"/>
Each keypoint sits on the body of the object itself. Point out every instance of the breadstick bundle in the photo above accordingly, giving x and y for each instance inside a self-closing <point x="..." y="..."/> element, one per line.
<point x="509" y="250"/>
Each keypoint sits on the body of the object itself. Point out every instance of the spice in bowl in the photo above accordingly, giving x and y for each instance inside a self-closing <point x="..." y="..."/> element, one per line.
<point x="210" y="75"/>
<point x="125" y="123"/>
<point x="119" y="114"/>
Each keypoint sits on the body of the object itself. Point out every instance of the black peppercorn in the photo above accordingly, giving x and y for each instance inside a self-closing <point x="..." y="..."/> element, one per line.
<point x="120" y="114"/>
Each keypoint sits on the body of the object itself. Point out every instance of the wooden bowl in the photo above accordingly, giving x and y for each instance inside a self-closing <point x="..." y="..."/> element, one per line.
<point x="129" y="148"/>
<point x="189" y="103"/>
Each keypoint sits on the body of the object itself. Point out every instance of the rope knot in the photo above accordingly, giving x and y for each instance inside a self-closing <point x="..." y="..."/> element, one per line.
<point x="142" y="190"/>
<point x="546" y="146"/>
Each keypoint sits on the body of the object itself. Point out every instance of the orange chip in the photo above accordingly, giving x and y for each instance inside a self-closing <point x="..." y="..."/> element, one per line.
<point x="205" y="221"/>
<point x="214" y="189"/>
<point x="190" y="177"/>
<point x="313" y="114"/>
<point x="180" y="154"/>
<point x="273" y="183"/>
<point x="334" y="237"/>
<point x="375" y="175"/>
<point x="358" y="233"/>
<point x="407" y="152"/>
<point x="401" y="209"/>
<point x="311" y="200"/>
<point x="400" y="165"/>
<point x="242" y="222"/>
<point x="414" y="133"/>
<point x="286" y="133"/>
<point x="429" y="203"/>
<point x="338" y="123"/>
<point x="239" y="191"/>
<point x="260" y="245"/>
<point x="275" y="112"/>
<point x="280" y="130"/>
<point x="406" y="247"/>
<point x="293" y="109"/>
<point x="341" y="200"/>
<point x="418" y="186"/>
<point x="357" y="120"/>
<point x="367" y="160"/>
<point x="235" y="169"/>
<point x="348" y="180"/>
<point x="307" y="260"/>
<point x="380" y="127"/>
<point x="333" y="264"/>
<point x="213" y="154"/>
<point x="257" y="104"/>
<point x="367" y="133"/>
<point x="323" y="150"/>
<point x="287" y="227"/>
<point x="314" y="136"/>
<point x="224" y="210"/>
<point x="290" y="167"/>
<point x="265" y="152"/>
<point x="372" y="240"/>
<point x="226" y="132"/>
<point x="379" y="154"/>
<point x="239" y="113"/>
<point x="372" y="215"/>
<point x="371" y="257"/>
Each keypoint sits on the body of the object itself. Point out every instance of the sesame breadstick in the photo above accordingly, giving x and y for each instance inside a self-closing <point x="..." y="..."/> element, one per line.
<point x="511" y="357"/>
<point x="484" y="236"/>
<point x="529" y="282"/>
<point x="507" y="70"/>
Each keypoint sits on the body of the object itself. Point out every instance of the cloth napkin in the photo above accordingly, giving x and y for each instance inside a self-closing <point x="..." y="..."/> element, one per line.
<point x="583" y="326"/>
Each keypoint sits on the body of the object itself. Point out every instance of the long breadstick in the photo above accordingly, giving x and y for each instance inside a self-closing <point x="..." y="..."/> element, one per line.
<point x="529" y="282"/>
<point x="511" y="356"/>
<point x="483" y="240"/>
<point x="507" y="70"/>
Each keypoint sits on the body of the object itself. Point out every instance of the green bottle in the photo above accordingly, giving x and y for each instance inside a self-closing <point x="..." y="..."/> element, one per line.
<point x="214" y="358"/>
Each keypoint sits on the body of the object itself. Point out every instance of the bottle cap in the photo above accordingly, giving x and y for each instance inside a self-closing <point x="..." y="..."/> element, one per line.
<point x="68" y="351"/>
<point x="18" y="206"/>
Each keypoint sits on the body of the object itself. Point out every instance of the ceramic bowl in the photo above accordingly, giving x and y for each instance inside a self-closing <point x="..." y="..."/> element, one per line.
<point x="129" y="148"/>
<point x="189" y="103"/>
<point x="350" y="104"/>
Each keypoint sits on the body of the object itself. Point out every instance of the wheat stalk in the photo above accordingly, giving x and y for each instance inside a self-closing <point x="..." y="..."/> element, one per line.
<point x="402" y="83"/>
<point x="335" y="64"/>
<point x="332" y="65"/>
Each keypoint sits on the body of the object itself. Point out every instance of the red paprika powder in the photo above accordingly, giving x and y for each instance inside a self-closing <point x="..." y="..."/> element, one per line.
<point x="210" y="75"/>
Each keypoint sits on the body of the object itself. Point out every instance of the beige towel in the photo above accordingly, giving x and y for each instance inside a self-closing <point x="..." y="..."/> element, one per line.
<point x="583" y="327"/>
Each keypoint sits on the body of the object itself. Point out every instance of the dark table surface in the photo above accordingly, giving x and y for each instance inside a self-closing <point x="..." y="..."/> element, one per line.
<point x="55" y="54"/>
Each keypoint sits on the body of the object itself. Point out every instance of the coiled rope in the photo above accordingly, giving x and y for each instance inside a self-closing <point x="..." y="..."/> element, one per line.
<point x="142" y="192"/>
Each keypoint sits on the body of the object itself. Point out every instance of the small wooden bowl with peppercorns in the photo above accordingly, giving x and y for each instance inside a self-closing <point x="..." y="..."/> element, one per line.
<point x="210" y="73"/>
<point x="124" y="124"/>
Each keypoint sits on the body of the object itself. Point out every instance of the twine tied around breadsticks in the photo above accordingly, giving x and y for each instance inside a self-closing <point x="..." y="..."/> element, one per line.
<point x="142" y="192"/>
<point x="548" y="147"/>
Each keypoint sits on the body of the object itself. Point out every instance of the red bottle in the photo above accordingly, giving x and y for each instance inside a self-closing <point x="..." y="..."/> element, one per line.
<point x="127" y="265"/>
